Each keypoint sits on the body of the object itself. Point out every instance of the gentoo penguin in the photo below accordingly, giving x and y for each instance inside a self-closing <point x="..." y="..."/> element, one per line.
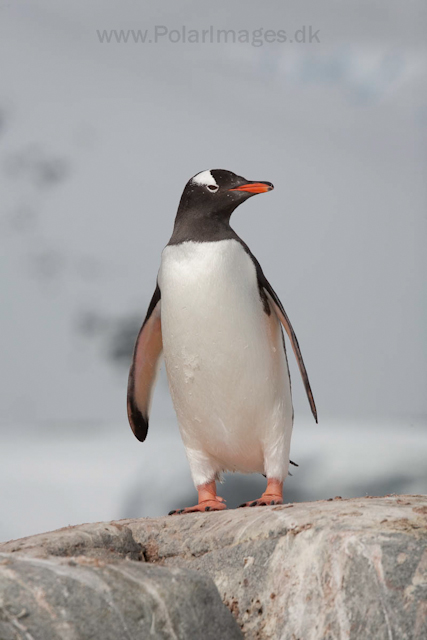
<point x="217" y="321"/>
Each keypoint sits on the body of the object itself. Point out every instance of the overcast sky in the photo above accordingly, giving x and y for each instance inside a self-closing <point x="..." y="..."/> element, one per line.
<point x="98" y="140"/>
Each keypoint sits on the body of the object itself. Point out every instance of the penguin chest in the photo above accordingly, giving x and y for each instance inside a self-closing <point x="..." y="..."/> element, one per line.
<point x="223" y="354"/>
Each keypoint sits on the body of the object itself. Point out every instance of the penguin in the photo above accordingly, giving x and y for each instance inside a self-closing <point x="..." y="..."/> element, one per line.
<point x="217" y="322"/>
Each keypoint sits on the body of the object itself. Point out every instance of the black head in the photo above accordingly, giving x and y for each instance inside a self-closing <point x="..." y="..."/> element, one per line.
<point x="208" y="200"/>
<point x="218" y="192"/>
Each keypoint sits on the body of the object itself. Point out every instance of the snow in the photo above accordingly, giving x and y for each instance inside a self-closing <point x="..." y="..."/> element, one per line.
<point x="54" y="478"/>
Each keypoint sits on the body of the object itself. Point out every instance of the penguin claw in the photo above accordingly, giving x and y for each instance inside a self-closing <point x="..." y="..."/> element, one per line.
<point x="263" y="502"/>
<point x="211" y="505"/>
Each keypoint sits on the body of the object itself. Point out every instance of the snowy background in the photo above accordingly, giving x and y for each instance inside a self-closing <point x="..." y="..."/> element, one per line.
<point x="96" y="143"/>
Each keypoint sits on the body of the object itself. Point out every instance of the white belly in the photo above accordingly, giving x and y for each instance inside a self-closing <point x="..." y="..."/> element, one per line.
<point x="225" y="361"/>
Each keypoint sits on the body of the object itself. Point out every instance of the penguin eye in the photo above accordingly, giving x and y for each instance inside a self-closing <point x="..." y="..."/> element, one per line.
<point x="213" y="187"/>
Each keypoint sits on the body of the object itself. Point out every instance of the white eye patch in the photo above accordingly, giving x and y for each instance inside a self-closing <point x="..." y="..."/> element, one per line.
<point x="205" y="178"/>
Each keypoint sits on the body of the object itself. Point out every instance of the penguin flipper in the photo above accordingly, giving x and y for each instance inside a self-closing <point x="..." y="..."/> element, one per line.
<point x="270" y="300"/>
<point x="144" y="369"/>
<point x="283" y="317"/>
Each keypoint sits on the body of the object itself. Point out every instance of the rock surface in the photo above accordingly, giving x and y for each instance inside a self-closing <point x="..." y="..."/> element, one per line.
<point x="86" y="598"/>
<point x="340" y="569"/>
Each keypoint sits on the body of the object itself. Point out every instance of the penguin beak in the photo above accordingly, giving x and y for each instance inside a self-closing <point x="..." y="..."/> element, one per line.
<point x="254" y="187"/>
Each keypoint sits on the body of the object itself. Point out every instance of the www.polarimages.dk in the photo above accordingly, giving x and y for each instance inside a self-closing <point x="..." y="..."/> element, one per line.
<point x="160" y="33"/>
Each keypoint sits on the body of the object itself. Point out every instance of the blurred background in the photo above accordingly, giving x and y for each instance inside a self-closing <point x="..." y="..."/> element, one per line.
<point x="97" y="139"/>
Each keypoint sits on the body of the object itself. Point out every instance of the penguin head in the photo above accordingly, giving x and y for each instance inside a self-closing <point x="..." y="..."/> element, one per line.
<point x="216" y="193"/>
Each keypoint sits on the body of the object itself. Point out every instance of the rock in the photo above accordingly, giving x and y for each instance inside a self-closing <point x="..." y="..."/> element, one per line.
<point x="106" y="541"/>
<point x="347" y="569"/>
<point x="86" y="598"/>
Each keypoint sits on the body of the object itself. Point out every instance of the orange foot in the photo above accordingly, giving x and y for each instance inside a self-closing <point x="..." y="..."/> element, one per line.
<point x="272" y="495"/>
<point x="206" y="505"/>
<point x="263" y="501"/>
<point x="208" y="501"/>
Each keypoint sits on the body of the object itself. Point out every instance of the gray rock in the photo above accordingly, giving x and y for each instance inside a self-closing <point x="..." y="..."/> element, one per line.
<point x="340" y="569"/>
<point x="85" y="598"/>
<point x="107" y="541"/>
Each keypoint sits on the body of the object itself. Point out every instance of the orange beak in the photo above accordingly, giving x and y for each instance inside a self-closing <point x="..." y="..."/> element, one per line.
<point x="255" y="187"/>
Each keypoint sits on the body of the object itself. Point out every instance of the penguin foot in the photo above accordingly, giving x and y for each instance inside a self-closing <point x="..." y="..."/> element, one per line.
<point x="272" y="495"/>
<point x="264" y="501"/>
<point x="208" y="500"/>
<point x="207" y="505"/>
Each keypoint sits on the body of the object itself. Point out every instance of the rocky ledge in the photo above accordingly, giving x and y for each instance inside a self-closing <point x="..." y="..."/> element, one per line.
<point x="337" y="569"/>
